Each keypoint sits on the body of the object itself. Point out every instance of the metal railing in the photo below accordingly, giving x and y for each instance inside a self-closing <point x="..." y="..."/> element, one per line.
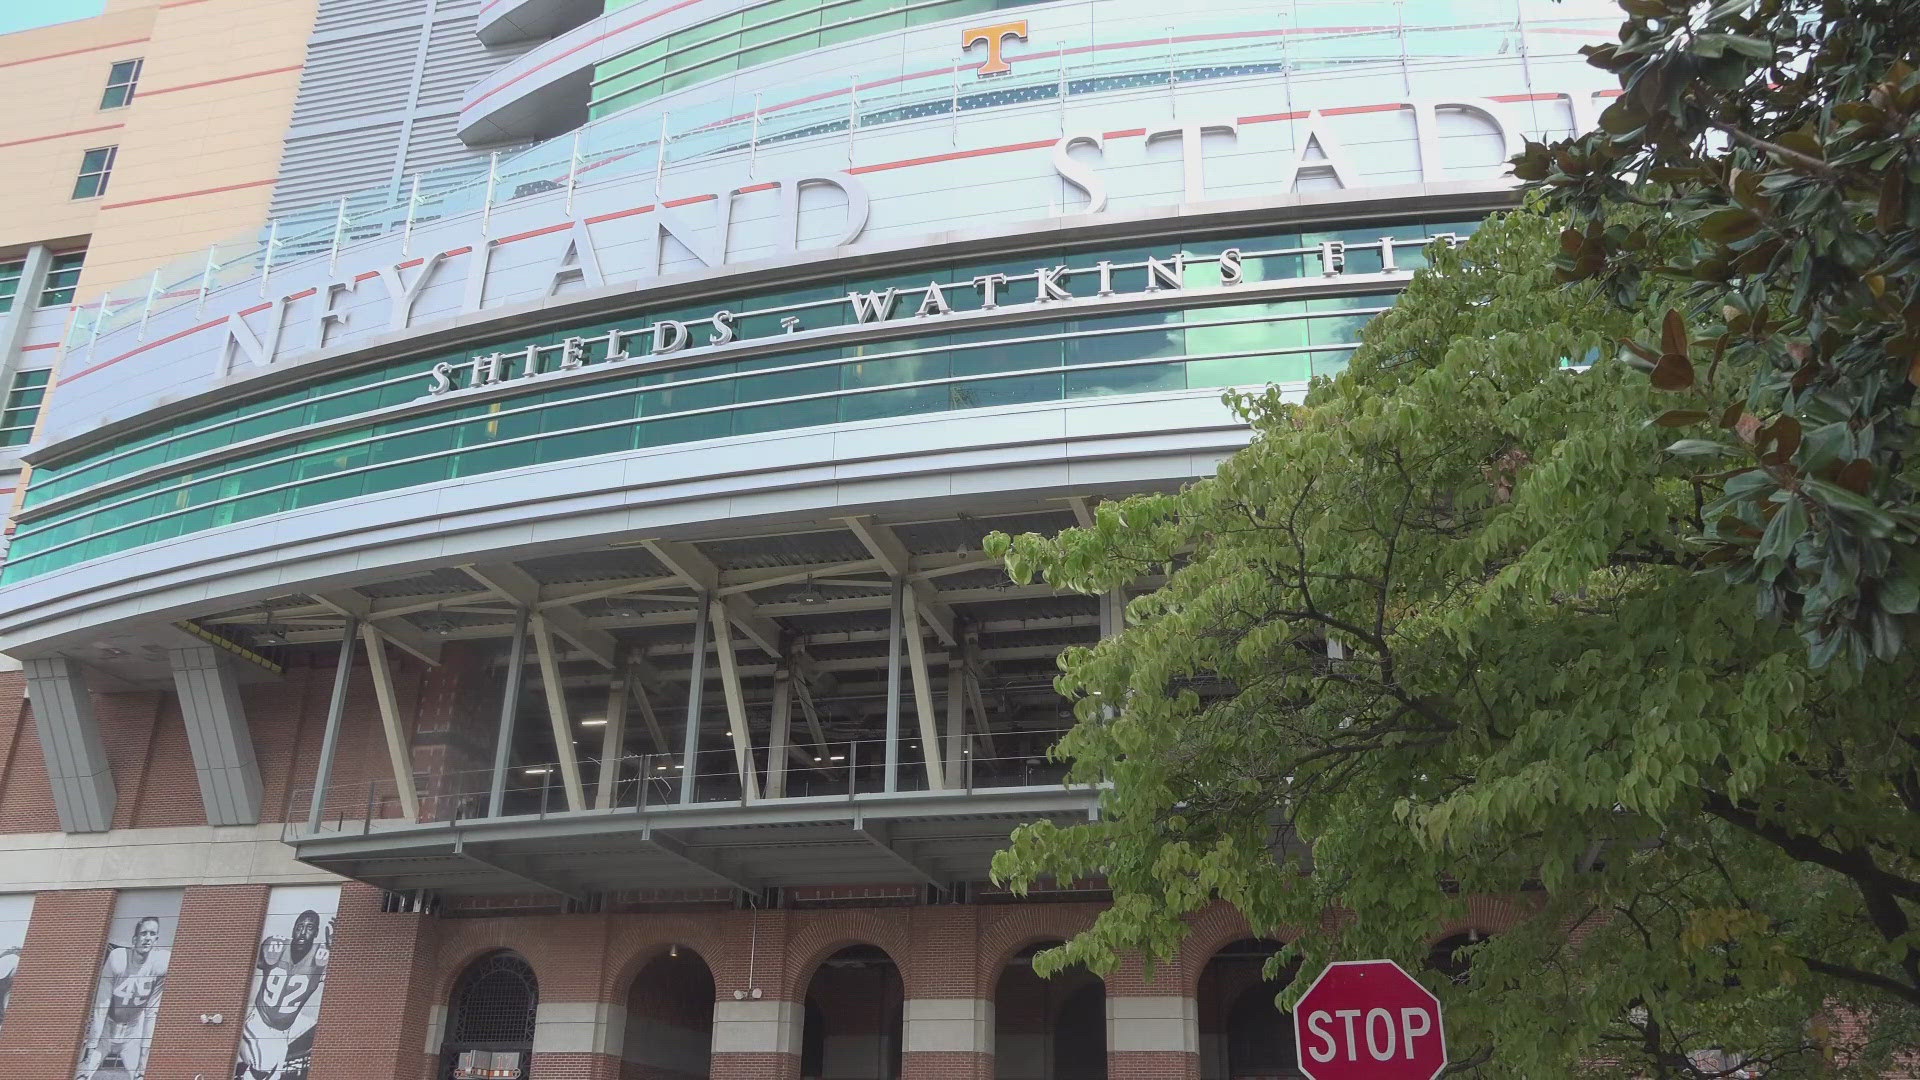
<point x="643" y="782"/>
<point x="657" y="138"/>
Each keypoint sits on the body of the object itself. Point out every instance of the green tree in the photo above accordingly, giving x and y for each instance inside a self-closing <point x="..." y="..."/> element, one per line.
<point x="1438" y="632"/>
<point x="1780" y="140"/>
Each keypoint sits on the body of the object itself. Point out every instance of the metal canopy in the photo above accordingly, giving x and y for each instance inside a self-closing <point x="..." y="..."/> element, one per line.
<point x="914" y="837"/>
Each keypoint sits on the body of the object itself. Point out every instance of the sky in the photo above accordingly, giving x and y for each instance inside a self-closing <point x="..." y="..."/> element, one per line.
<point x="27" y="14"/>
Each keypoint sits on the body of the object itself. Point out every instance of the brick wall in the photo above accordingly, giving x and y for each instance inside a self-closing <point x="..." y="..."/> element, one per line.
<point x="211" y="972"/>
<point x="53" y="989"/>
<point x="380" y="992"/>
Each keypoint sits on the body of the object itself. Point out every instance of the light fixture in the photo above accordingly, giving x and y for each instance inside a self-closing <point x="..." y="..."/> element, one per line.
<point x="597" y="721"/>
<point x="673" y="951"/>
<point x="537" y="772"/>
<point x="837" y="757"/>
<point x="810" y="593"/>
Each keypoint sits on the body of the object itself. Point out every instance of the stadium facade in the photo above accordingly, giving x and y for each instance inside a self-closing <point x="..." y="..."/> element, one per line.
<point x="496" y="571"/>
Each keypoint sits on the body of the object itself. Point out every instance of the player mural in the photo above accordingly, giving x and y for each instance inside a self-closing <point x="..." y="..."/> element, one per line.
<point x="127" y="997"/>
<point x="290" y="970"/>
<point x="14" y="911"/>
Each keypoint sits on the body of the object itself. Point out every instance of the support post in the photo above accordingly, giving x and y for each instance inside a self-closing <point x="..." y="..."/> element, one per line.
<point x="556" y="695"/>
<point x="613" y="740"/>
<point x="779" y="733"/>
<point x="398" y="752"/>
<point x="736" y="701"/>
<point x="509" y="712"/>
<point x="77" y="766"/>
<point x="336" y="710"/>
<point x="696" y="689"/>
<point x="892" y="773"/>
<point x="957" y="714"/>
<point x="923" y="699"/>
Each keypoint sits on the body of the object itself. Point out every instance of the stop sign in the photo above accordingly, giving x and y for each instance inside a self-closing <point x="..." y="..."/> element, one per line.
<point x="1368" y="1020"/>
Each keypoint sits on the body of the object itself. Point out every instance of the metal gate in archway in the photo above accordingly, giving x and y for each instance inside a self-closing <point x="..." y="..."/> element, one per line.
<point x="490" y="1021"/>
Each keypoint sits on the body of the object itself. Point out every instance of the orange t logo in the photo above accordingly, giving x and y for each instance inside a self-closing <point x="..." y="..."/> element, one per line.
<point x="995" y="36"/>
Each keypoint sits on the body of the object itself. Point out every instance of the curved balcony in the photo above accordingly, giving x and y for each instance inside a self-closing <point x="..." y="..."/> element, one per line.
<point x="507" y="22"/>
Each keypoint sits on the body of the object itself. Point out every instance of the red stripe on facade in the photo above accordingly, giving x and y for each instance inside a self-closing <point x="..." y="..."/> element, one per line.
<point x="154" y="344"/>
<point x="189" y="194"/>
<point x="531" y="233"/>
<point x="36" y="348"/>
<point x="75" y="52"/>
<point x="217" y="82"/>
<point x="63" y="135"/>
<point x="1268" y="118"/>
<point x="620" y="214"/>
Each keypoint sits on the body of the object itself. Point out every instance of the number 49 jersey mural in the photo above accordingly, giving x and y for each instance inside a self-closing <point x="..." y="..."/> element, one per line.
<point x="290" y="971"/>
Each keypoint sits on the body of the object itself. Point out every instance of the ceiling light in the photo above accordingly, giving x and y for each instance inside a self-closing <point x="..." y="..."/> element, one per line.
<point x="596" y="722"/>
<point x="537" y="772"/>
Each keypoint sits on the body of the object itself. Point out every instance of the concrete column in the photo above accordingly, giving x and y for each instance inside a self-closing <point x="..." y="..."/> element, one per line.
<point x="13" y="324"/>
<point x="77" y="768"/>
<point x="216" y="722"/>
<point x="756" y="1040"/>
<point x="579" y="1039"/>
<point x="948" y="1039"/>
<point x="1154" y="1035"/>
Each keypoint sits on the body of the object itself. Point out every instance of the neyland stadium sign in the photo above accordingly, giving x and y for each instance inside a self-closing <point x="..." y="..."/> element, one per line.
<point x="710" y="231"/>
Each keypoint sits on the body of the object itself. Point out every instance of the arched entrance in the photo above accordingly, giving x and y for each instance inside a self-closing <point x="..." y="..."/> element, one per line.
<point x="1048" y="1029"/>
<point x="1243" y="1036"/>
<point x="669" y="1032"/>
<point x="854" y="1013"/>
<point x="1447" y="958"/>
<point x="492" y="1012"/>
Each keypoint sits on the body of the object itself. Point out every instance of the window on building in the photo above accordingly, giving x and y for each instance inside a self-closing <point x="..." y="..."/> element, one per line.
<point x="95" y="169"/>
<point x="22" y="406"/>
<point x="120" y="83"/>
<point x="63" y="277"/>
<point x="10" y="271"/>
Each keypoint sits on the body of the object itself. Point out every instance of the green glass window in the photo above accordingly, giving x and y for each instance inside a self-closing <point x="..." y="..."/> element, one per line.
<point x="22" y="407"/>
<point x="761" y="33"/>
<point x="63" y="277"/>
<point x="921" y="369"/>
<point x="96" y="168"/>
<point x="121" y="80"/>
<point x="10" y="271"/>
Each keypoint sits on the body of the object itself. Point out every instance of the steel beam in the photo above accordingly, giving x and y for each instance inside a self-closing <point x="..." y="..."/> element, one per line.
<point x="336" y="710"/>
<point x="613" y="740"/>
<point x="399" y="753"/>
<point x="696" y="689"/>
<point x="512" y="583"/>
<point x="736" y="703"/>
<point x="556" y="695"/>
<point x="509" y="715"/>
<point x="358" y="607"/>
<point x="881" y="542"/>
<point x="778" y="742"/>
<point x="676" y="849"/>
<point x="923" y="699"/>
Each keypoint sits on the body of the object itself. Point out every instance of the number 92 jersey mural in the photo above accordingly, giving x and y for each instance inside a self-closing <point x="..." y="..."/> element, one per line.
<point x="290" y="971"/>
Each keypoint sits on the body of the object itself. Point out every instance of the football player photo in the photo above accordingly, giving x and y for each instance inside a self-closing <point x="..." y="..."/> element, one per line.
<point x="290" y="970"/>
<point x="125" y="1004"/>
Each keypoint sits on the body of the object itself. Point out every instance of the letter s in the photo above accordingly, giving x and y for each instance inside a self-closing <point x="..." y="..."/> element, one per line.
<point x="442" y="378"/>
<point x="1317" y="1025"/>
<point x="1079" y="173"/>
